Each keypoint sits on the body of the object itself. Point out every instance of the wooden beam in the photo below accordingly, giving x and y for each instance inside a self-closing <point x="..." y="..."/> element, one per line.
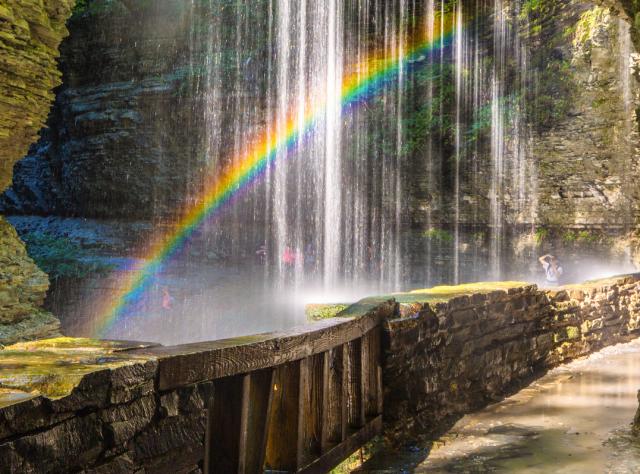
<point x="223" y="426"/>
<point x="355" y="402"/>
<point x="191" y="363"/>
<point x="339" y="453"/>
<point x="365" y="371"/>
<point x="310" y="409"/>
<point x="332" y="405"/>
<point x="257" y="395"/>
<point x="372" y="398"/>
<point x="282" y="440"/>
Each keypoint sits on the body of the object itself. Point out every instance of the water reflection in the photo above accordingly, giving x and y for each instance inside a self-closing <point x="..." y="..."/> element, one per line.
<point x="576" y="419"/>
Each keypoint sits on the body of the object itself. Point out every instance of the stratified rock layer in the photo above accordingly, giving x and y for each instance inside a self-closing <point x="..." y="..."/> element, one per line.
<point x="23" y="287"/>
<point x="30" y="33"/>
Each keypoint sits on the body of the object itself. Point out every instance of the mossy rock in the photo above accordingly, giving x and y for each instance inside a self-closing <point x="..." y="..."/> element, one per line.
<point x="54" y="367"/>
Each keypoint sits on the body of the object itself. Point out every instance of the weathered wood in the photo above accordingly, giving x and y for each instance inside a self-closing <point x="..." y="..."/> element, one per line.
<point x="282" y="441"/>
<point x="256" y="407"/>
<point x="191" y="363"/>
<point x="208" y="438"/>
<point x="355" y="402"/>
<point x="337" y="454"/>
<point x="372" y="396"/>
<point x="310" y="409"/>
<point x="365" y="371"/>
<point x="332" y="406"/>
<point x="345" y="392"/>
<point x="223" y="426"/>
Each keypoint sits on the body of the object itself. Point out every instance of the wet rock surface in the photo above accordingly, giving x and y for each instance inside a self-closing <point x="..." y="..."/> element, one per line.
<point x="575" y="419"/>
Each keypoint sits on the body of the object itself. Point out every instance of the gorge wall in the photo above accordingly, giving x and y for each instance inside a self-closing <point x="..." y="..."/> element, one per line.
<point x="550" y="164"/>
<point x="30" y="33"/>
<point x="130" y="116"/>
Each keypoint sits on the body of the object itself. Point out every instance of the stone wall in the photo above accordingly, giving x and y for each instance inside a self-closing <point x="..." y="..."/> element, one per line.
<point x="127" y="408"/>
<point x="447" y="359"/>
<point x="30" y="33"/>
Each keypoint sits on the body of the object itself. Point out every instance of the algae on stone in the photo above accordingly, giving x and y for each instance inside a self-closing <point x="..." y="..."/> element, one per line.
<point x="54" y="367"/>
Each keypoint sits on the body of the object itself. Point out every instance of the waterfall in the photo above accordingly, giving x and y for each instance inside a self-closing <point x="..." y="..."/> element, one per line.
<point x="337" y="201"/>
<point x="333" y="202"/>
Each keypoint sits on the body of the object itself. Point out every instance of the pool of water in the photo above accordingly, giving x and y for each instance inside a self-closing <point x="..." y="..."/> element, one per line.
<point x="576" y="419"/>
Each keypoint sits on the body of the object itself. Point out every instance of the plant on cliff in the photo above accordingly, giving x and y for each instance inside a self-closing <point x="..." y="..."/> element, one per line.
<point x="541" y="234"/>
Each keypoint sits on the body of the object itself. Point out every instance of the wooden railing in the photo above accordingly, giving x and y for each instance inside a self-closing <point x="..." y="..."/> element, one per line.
<point x="299" y="403"/>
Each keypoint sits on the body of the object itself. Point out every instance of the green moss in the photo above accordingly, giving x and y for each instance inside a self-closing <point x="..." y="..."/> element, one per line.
<point x="440" y="294"/>
<point x="588" y="25"/>
<point x="54" y="367"/>
<point x="318" y="312"/>
<point x="438" y="235"/>
<point x="573" y="332"/>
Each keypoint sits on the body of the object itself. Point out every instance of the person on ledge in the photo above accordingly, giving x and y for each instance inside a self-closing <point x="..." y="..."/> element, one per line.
<point x="552" y="269"/>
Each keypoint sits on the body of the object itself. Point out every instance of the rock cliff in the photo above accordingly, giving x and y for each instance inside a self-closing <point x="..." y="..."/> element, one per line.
<point x="125" y="119"/>
<point x="30" y="33"/>
<point x="129" y="116"/>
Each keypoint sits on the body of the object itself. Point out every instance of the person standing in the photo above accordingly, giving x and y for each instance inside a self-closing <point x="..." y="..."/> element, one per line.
<point x="552" y="268"/>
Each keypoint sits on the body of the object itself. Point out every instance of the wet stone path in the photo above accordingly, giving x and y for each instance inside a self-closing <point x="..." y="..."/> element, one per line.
<point x="576" y="419"/>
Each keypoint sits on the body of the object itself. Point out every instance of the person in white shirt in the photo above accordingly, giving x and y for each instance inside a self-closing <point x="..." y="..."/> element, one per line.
<point x="552" y="269"/>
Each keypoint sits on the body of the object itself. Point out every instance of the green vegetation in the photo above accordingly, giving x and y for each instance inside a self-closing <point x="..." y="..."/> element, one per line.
<point x="438" y="235"/>
<point x="586" y="237"/>
<point x="444" y="293"/>
<point x="318" y="312"/>
<point x="588" y="26"/>
<point x="541" y="234"/>
<point x="569" y="237"/>
<point x="61" y="257"/>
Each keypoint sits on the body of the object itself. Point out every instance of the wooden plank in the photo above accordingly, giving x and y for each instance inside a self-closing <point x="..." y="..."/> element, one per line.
<point x="256" y="405"/>
<point x="365" y="371"/>
<point x="345" y="391"/>
<point x="336" y="455"/>
<point x="355" y="403"/>
<point x="191" y="363"/>
<point x="208" y="438"/>
<point x="282" y="440"/>
<point x="372" y="395"/>
<point x="380" y="391"/>
<point x="332" y="427"/>
<point x="223" y="426"/>
<point x="310" y="409"/>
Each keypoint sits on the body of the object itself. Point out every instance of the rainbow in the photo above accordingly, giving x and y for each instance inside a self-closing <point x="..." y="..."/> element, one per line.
<point x="365" y="81"/>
